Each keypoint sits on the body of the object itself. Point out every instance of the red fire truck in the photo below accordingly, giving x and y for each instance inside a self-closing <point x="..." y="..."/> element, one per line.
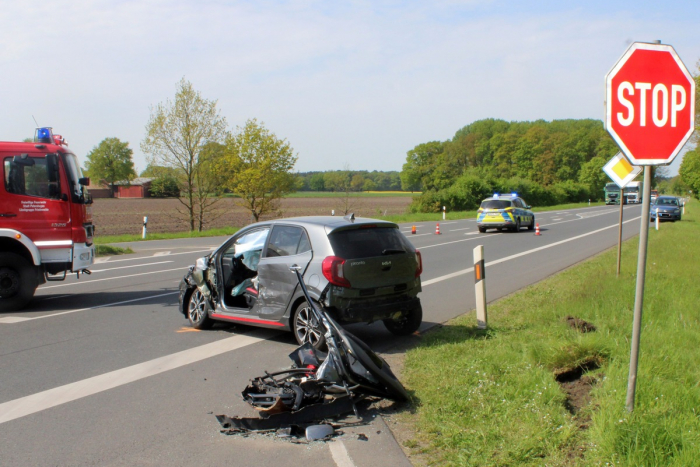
<point x="46" y="225"/>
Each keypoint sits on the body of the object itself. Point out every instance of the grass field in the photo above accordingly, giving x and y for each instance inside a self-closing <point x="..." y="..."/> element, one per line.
<point x="534" y="390"/>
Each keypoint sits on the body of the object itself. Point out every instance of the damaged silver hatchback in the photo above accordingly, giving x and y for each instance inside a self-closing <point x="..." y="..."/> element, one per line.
<point x="361" y="270"/>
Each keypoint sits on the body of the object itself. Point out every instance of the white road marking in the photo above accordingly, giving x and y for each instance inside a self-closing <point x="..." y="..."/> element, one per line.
<point x="162" y="253"/>
<point x="127" y="267"/>
<point x="20" y="319"/>
<point x="508" y="258"/>
<point x="34" y="403"/>
<point x="83" y="282"/>
<point x="339" y="453"/>
<point x="102" y="259"/>
<point x="136" y="258"/>
<point x="457" y="230"/>
<point x="456" y="241"/>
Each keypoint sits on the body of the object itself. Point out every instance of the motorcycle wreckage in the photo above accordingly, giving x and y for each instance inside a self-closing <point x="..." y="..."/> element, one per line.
<point x="319" y="385"/>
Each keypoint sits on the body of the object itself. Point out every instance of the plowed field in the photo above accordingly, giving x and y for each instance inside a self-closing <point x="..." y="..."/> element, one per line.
<point x="125" y="215"/>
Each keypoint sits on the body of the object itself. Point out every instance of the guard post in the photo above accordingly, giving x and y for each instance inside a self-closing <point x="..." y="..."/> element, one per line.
<point x="480" y="287"/>
<point x="145" y="223"/>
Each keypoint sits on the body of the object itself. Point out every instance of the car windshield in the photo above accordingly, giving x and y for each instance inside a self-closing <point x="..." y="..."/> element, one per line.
<point x="368" y="242"/>
<point x="666" y="201"/>
<point x="496" y="204"/>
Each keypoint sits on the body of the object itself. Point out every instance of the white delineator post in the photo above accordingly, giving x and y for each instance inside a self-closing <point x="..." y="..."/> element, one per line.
<point x="444" y="210"/>
<point x="657" y="218"/>
<point x="145" y="222"/>
<point x="480" y="287"/>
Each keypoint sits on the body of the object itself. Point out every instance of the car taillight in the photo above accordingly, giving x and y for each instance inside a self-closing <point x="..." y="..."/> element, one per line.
<point x="419" y="268"/>
<point x="333" y="271"/>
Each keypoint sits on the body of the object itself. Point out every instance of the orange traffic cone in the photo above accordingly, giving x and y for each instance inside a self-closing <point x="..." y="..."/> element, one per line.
<point x="413" y="229"/>
<point x="537" y="229"/>
<point x="437" y="229"/>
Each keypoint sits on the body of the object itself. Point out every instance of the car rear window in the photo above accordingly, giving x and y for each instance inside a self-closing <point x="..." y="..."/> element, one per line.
<point x="495" y="204"/>
<point x="369" y="242"/>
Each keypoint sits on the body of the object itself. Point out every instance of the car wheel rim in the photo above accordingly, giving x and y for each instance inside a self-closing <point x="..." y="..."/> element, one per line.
<point x="306" y="327"/>
<point x="197" y="306"/>
<point x="9" y="282"/>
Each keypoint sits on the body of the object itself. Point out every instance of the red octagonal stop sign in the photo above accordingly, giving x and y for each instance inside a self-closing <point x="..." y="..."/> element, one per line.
<point x="650" y="103"/>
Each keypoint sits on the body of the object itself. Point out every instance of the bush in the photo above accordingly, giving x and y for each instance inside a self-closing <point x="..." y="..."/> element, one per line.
<point x="165" y="186"/>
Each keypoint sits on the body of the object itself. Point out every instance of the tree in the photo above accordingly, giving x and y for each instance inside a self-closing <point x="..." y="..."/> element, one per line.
<point x="593" y="177"/>
<point x="110" y="161"/>
<point x="690" y="171"/>
<point x="316" y="182"/>
<point x="257" y="166"/>
<point x="176" y="135"/>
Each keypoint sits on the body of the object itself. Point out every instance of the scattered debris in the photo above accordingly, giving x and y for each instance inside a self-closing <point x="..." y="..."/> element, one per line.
<point x="362" y="437"/>
<point x="317" y="387"/>
<point x="579" y="324"/>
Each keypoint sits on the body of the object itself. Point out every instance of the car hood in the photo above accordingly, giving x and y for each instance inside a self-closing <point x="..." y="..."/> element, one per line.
<point x="664" y="208"/>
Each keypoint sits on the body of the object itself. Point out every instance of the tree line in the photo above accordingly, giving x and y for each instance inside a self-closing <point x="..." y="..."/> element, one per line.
<point x="349" y="180"/>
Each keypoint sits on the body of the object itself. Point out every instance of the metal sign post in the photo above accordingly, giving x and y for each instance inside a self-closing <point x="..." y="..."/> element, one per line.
<point x="639" y="294"/>
<point x="648" y="135"/>
<point x="621" y="172"/>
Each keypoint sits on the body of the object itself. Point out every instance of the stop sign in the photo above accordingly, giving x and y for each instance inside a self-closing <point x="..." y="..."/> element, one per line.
<point x="650" y="103"/>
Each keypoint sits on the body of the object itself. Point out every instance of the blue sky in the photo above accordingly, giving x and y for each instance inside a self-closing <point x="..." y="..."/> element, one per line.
<point x="349" y="84"/>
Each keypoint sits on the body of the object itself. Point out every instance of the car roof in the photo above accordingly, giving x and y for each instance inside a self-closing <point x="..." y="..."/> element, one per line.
<point x="330" y="223"/>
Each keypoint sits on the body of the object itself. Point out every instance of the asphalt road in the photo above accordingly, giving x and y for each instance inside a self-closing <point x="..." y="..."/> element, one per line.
<point x="105" y="371"/>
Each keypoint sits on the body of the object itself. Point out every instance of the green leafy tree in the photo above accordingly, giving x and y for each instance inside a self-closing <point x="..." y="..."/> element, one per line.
<point x="111" y="161"/>
<point x="689" y="171"/>
<point x="176" y="135"/>
<point x="257" y="166"/>
<point x="316" y="182"/>
<point x="592" y="176"/>
<point x="165" y="186"/>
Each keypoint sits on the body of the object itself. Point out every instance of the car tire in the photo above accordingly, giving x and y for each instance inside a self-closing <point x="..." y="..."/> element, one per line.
<point x="406" y="325"/>
<point x="516" y="229"/>
<point x="532" y="224"/>
<point x="18" y="281"/>
<point x="306" y="328"/>
<point x="198" y="310"/>
<point x="482" y="229"/>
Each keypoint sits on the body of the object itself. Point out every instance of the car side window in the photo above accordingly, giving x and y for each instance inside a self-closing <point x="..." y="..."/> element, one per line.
<point x="517" y="203"/>
<point x="286" y="241"/>
<point x="250" y="242"/>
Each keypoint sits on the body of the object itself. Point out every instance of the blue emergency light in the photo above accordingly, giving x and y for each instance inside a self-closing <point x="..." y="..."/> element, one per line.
<point x="44" y="135"/>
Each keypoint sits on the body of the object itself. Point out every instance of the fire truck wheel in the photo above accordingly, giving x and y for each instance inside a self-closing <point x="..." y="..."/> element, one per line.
<point x="17" y="281"/>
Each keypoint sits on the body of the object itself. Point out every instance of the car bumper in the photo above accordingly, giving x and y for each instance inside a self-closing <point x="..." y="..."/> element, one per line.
<point x="664" y="216"/>
<point x="369" y="312"/>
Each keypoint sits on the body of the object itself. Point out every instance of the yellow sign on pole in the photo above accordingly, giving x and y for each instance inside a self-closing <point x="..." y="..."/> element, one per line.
<point x="620" y="170"/>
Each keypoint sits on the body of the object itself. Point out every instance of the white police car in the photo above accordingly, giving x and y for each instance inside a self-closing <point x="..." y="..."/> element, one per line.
<point x="504" y="212"/>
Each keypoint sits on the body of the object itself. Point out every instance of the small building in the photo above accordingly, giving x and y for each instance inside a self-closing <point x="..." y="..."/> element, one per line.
<point x="137" y="188"/>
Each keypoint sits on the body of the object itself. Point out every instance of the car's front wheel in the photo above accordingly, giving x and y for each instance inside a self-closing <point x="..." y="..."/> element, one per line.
<point x="306" y="327"/>
<point x="407" y="324"/>
<point x="197" y="310"/>
<point x="532" y="224"/>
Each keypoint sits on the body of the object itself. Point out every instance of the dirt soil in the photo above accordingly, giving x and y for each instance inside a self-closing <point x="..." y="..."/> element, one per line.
<point x="125" y="215"/>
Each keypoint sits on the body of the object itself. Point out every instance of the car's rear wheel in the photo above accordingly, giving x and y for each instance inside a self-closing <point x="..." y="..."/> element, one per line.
<point x="197" y="310"/>
<point x="18" y="282"/>
<point x="532" y="224"/>
<point x="306" y="327"/>
<point x="407" y="324"/>
<point x="517" y="225"/>
<point x="482" y="229"/>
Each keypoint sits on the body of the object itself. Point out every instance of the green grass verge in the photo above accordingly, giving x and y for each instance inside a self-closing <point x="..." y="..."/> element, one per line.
<point x="109" y="250"/>
<point x="451" y="215"/>
<point x="226" y="231"/>
<point x="489" y="398"/>
<point x="353" y="194"/>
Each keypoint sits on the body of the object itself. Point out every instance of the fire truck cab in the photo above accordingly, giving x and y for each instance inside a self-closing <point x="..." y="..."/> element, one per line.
<point x="46" y="227"/>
